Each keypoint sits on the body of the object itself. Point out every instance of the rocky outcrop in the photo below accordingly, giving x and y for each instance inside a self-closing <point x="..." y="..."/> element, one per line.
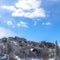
<point x="21" y="47"/>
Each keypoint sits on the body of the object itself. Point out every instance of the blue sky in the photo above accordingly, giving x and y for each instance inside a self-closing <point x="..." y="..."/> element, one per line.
<point x="35" y="20"/>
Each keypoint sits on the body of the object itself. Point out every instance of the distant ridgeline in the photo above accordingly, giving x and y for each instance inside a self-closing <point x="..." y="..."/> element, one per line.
<point x="13" y="47"/>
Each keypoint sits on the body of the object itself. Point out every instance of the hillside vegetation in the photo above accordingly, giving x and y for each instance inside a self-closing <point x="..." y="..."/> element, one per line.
<point x="13" y="47"/>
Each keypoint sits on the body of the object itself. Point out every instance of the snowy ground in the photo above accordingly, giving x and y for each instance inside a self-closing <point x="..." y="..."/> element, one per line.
<point x="3" y="56"/>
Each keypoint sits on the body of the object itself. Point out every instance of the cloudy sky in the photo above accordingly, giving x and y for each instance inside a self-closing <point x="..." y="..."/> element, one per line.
<point x="32" y="19"/>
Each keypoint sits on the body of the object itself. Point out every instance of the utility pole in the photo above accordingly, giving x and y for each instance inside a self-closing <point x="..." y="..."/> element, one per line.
<point x="56" y="50"/>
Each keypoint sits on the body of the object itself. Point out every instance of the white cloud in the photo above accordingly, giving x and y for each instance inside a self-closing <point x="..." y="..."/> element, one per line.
<point x="46" y="23"/>
<point x="28" y="4"/>
<point x="27" y="8"/>
<point x="22" y="24"/>
<point x="11" y="8"/>
<point x="5" y="32"/>
<point x="9" y="22"/>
